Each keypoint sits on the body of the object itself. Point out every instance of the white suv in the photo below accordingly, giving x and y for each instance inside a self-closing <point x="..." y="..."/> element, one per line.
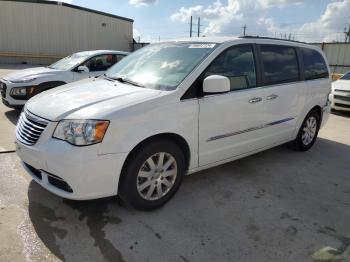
<point x="340" y="96"/>
<point x="16" y="88"/>
<point x="171" y="109"/>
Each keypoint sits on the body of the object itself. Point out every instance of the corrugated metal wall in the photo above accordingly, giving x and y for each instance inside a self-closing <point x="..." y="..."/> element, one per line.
<point x="338" y="55"/>
<point x="43" y="32"/>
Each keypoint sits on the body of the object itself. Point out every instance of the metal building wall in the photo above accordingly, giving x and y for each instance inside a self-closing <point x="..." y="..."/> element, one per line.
<point x="338" y="55"/>
<point x="42" y="33"/>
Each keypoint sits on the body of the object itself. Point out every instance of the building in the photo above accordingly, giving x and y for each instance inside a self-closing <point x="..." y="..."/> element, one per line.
<point x="41" y="32"/>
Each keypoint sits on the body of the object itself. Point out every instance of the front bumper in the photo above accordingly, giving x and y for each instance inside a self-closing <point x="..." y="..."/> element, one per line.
<point x="340" y="101"/>
<point x="87" y="172"/>
<point x="7" y="99"/>
<point x="326" y="111"/>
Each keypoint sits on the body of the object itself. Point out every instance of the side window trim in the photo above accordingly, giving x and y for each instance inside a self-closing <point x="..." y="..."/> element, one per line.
<point x="301" y="64"/>
<point x="198" y="93"/>
<point x="263" y="81"/>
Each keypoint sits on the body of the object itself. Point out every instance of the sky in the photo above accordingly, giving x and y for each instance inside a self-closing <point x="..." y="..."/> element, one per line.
<point x="309" y="20"/>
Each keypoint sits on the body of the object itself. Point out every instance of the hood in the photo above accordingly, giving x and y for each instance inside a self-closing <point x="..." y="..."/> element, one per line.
<point x="342" y="84"/>
<point x="30" y="72"/>
<point x="89" y="98"/>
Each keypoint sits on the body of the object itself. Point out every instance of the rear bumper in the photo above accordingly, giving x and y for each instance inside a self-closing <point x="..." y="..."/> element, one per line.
<point x="72" y="172"/>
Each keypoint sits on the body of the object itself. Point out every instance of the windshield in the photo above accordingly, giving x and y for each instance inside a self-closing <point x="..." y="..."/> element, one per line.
<point x="346" y="76"/>
<point x="161" y="66"/>
<point x="69" y="62"/>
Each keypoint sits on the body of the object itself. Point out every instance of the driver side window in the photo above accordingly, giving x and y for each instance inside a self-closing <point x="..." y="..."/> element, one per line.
<point x="100" y="63"/>
<point x="237" y="64"/>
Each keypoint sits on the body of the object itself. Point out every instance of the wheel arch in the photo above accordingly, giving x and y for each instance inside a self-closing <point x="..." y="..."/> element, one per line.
<point x="172" y="137"/>
<point x="51" y="84"/>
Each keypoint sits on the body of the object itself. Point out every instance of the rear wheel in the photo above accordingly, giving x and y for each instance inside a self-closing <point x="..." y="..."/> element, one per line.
<point x="152" y="175"/>
<point x="308" y="132"/>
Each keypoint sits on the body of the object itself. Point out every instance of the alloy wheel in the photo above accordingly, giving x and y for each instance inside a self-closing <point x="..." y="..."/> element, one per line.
<point x="156" y="176"/>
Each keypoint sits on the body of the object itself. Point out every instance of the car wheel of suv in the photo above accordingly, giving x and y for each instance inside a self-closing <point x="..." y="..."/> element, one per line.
<point x="153" y="175"/>
<point x="308" y="132"/>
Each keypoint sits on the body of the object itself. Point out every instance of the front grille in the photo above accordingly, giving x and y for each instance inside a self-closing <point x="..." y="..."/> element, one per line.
<point x="29" y="128"/>
<point x="58" y="182"/>
<point x="341" y="90"/>
<point x="344" y="98"/>
<point x="3" y="88"/>
<point x="342" y="105"/>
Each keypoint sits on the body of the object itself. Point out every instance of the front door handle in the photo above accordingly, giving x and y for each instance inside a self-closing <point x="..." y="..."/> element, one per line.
<point x="255" y="100"/>
<point x="271" y="97"/>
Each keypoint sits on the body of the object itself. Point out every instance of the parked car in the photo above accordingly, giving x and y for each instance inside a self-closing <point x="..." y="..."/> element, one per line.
<point x="16" y="88"/>
<point x="171" y="109"/>
<point x="340" y="97"/>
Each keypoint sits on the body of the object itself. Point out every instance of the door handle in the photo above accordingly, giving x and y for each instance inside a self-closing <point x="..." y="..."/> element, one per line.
<point x="255" y="100"/>
<point x="271" y="97"/>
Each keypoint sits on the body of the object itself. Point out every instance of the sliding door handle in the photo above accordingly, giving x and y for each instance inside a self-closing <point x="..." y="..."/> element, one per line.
<point x="255" y="100"/>
<point x="271" y="97"/>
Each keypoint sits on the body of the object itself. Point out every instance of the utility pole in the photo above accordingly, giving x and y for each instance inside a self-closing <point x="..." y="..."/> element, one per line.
<point x="244" y="29"/>
<point x="191" y="27"/>
<point x="199" y="26"/>
<point x="347" y="34"/>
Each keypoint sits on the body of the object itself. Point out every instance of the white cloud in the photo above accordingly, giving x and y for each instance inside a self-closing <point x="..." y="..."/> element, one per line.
<point x="331" y="23"/>
<point x="138" y="3"/>
<point x="228" y="19"/>
<point x="279" y="3"/>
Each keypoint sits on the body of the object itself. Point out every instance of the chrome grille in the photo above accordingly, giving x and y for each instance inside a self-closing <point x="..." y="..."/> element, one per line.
<point x="344" y="98"/>
<point x="29" y="128"/>
<point x="340" y="90"/>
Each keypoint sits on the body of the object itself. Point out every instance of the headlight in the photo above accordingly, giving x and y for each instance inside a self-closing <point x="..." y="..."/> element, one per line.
<point x="19" y="91"/>
<point x="24" y="80"/>
<point x="81" y="132"/>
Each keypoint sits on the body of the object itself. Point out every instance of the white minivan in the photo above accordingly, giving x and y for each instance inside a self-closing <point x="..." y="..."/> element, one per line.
<point x="171" y="109"/>
<point x="16" y="88"/>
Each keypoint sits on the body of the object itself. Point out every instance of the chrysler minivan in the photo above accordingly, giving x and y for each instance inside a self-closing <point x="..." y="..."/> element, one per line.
<point x="171" y="109"/>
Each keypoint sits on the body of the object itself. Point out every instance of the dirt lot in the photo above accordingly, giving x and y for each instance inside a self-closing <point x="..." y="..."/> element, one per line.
<point x="278" y="205"/>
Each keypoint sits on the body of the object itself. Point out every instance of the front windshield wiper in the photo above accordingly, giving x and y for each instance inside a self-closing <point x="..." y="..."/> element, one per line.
<point x="125" y="80"/>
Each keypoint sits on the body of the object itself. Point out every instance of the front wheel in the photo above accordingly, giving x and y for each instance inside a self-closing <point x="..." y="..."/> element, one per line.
<point x="153" y="175"/>
<point x="308" y="132"/>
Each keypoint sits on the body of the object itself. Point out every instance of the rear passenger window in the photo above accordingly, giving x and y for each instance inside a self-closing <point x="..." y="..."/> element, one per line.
<point x="280" y="64"/>
<point x="237" y="64"/>
<point x="314" y="65"/>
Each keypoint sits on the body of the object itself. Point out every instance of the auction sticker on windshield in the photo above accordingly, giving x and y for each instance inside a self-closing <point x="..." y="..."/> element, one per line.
<point x="201" y="46"/>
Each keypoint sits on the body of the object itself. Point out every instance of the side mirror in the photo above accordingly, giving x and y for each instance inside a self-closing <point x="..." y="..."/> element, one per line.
<point x="216" y="84"/>
<point x="84" y="69"/>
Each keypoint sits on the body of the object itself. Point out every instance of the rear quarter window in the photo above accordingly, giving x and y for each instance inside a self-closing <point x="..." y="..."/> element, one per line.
<point x="315" y="66"/>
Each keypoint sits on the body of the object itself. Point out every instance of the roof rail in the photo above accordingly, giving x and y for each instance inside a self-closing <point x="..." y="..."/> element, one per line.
<point x="271" y="38"/>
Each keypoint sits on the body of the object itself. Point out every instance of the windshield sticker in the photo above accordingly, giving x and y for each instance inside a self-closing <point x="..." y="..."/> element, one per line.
<point x="201" y="46"/>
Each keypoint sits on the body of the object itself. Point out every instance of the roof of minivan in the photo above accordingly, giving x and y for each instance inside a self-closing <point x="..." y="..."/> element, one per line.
<point x="263" y="40"/>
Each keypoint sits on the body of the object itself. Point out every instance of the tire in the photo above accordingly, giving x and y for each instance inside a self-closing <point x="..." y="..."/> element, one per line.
<point x="144" y="173"/>
<point x="308" y="132"/>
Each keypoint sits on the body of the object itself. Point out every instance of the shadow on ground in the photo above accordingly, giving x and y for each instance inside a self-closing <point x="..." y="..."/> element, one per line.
<point x="264" y="207"/>
<point x="13" y="115"/>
